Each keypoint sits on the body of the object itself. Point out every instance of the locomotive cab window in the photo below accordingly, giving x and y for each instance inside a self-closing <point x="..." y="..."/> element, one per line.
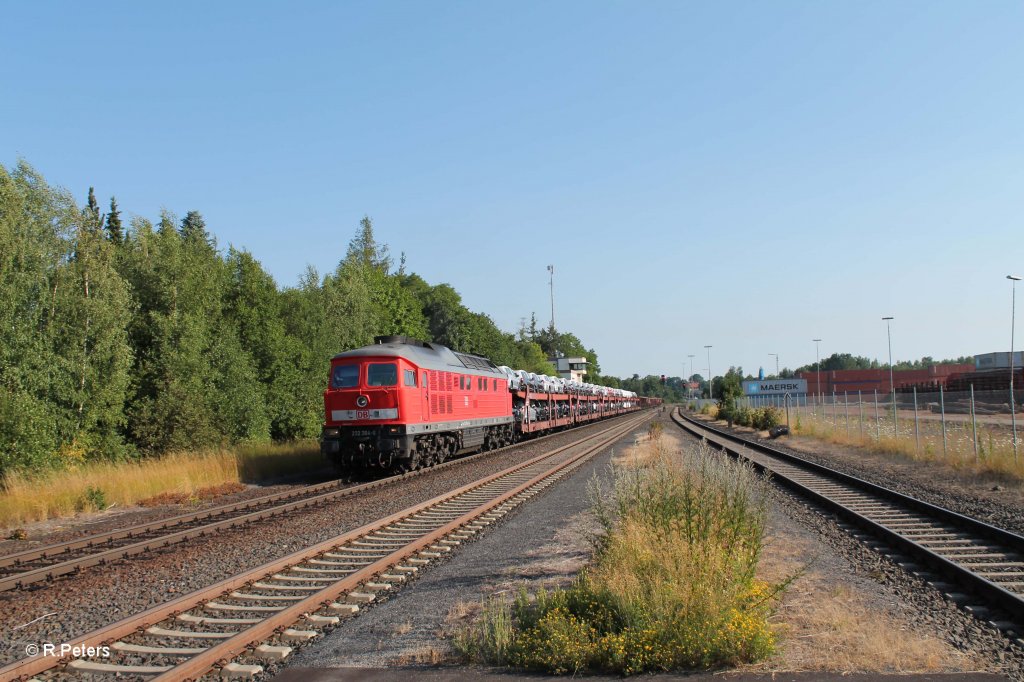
<point x="410" y="377"/>
<point x="345" y="376"/>
<point x="382" y="374"/>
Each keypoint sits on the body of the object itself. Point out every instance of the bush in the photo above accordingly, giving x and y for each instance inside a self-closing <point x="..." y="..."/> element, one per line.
<point x="765" y="418"/>
<point x="93" y="499"/>
<point x="744" y="416"/>
<point x="710" y="410"/>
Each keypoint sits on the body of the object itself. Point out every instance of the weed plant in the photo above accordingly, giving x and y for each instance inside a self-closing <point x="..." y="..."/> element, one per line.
<point x="710" y="410"/>
<point x="672" y="585"/>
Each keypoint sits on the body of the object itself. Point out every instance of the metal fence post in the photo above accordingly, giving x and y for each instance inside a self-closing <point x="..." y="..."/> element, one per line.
<point x="846" y="399"/>
<point x="942" y="411"/>
<point x="917" y="426"/>
<point x="787" y="409"/>
<point x="835" y="419"/>
<point x="878" y="424"/>
<point x="974" y="425"/>
<point x="860" y="404"/>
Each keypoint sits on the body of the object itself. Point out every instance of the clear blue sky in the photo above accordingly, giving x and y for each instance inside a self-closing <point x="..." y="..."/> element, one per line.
<point x="750" y="175"/>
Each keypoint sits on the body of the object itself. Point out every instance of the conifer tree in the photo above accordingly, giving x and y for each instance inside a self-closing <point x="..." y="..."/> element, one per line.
<point x="193" y="228"/>
<point x="93" y="219"/>
<point x="363" y="249"/>
<point x="115" y="233"/>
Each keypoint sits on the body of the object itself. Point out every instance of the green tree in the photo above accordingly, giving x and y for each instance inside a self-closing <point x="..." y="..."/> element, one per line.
<point x="195" y="385"/>
<point x="64" y="310"/>
<point x="254" y="305"/>
<point x="726" y="389"/>
<point x="95" y="311"/>
<point x="91" y="217"/>
<point x="33" y="222"/>
<point x="364" y="249"/>
<point x="115" y="231"/>
<point x="193" y="229"/>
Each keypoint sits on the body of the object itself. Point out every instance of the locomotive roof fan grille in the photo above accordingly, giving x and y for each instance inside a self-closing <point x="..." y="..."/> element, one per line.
<point x="380" y="340"/>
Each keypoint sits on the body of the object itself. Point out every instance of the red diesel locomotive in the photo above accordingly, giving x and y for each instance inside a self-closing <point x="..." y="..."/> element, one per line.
<point x="403" y="404"/>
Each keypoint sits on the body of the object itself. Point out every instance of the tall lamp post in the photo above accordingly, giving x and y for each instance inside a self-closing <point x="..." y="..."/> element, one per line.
<point x="1013" y="324"/>
<point x="776" y="364"/>
<point x="711" y="384"/>
<point x="892" y="383"/>
<point x="551" y="283"/>
<point x="690" y="377"/>
<point x="817" y="365"/>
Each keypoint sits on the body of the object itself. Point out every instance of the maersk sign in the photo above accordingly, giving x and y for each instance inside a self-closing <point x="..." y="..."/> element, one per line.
<point x="775" y="387"/>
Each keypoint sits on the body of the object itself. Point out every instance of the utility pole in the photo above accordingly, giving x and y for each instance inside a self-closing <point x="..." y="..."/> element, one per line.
<point x="776" y="364"/>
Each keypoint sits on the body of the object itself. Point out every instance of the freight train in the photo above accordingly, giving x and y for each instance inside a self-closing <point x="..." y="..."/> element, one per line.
<point x="402" y="404"/>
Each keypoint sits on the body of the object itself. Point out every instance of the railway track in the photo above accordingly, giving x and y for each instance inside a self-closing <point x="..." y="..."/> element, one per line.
<point x="982" y="560"/>
<point x="233" y="628"/>
<point x="42" y="564"/>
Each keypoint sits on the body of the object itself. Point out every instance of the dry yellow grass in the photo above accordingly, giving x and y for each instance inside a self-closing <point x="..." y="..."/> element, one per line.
<point x="828" y="626"/>
<point x="995" y="454"/>
<point x="94" y="486"/>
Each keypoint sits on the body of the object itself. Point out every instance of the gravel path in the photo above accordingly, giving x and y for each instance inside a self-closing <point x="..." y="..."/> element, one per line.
<point x="74" y="605"/>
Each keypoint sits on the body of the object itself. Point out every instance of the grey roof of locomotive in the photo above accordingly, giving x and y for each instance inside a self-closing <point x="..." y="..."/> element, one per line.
<point x="425" y="356"/>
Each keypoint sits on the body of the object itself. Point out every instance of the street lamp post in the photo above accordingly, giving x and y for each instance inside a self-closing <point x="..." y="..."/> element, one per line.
<point x="1013" y="325"/>
<point x="690" y="377"/>
<point x="551" y="282"/>
<point x="711" y="384"/>
<point x="776" y="364"/>
<point x="892" y="383"/>
<point x="817" y="365"/>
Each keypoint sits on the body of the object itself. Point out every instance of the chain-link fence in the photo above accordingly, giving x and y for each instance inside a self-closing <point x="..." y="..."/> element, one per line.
<point x="961" y="427"/>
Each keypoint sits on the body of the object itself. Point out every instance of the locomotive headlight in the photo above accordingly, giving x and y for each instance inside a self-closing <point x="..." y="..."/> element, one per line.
<point x="332" y="433"/>
<point x="362" y="401"/>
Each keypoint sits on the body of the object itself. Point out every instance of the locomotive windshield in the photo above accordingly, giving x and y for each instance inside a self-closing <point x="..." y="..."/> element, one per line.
<point x="381" y="374"/>
<point x="345" y="376"/>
